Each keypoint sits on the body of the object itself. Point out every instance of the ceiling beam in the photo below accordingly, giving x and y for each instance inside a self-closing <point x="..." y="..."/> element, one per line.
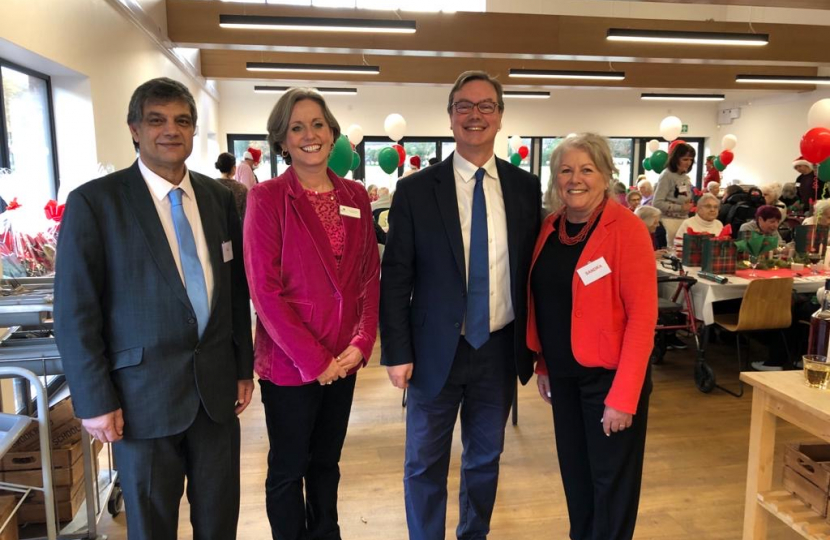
<point x="794" y="4"/>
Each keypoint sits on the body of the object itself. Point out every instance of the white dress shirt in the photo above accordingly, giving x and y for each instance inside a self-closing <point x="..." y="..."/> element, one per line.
<point x="159" y="189"/>
<point x="501" y="302"/>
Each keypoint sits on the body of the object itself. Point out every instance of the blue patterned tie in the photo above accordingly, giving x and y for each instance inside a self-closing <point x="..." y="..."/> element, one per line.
<point x="477" y="330"/>
<point x="194" y="277"/>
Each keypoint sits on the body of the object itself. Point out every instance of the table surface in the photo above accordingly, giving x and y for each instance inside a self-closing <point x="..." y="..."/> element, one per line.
<point x="790" y="387"/>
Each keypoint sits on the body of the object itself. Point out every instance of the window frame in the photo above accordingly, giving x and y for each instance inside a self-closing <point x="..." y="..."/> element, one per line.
<point x="700" y="159"/>
<point x="234" y="137"/>
<point x="360" y="173"/>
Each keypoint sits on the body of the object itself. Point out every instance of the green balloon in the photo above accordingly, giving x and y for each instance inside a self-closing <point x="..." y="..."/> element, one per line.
<point x="647" y="164"/>
<point x="658" y="160"/>
<point x="355" y="161"/>
<point x="824" y="170"/>
<point x="516" y="159"/>
<point x="388" y="159"/>
<point x="718" y="164"/>
<point x="340" y="158"/>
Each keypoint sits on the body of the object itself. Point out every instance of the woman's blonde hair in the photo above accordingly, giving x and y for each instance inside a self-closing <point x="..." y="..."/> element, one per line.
<point x="597" y="148"/>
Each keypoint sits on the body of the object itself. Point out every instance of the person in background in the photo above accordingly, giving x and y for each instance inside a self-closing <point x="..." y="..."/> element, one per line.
<point x="789" y="196"/>
<point x="646" y="190"/>
<point x="767" y="219"/>
<point x="809" y="188"/>
<point x="712" y="174"/>
<point x="383" y="202"/>
<point x="372" y="191"/>
<point x="620" y="192"/>
<point x="226" y="163"/>
<point x="651" y="217"/>
<point x="674" y="193"/>
<point x="312" y="260"/>
<point x="713" y="187"/>
<point x="245" y="170"/>
<point x="633" y="199"/>
<point x="414" y="166"/>
<point x="434" y="161"/>
<point x="821" y="214"/>
<point x="153" y="323"/>
<point x="593" y="364"/>
<point x="704" y="221"/>
<point x="772" y="194"/>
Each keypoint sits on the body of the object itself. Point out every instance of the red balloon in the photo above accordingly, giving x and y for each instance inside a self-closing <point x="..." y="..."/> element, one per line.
<point x="815" y="145"/>
<point x="401" y="153"/>
<point x="675" y="143"/>
<point x="523" y="151"/>
<point x="726" y="157"/>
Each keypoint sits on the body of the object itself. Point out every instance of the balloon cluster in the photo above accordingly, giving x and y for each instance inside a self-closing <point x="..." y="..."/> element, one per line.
<point x="670" y="128"/>
<point x="392" y="157"/>
<point x="520" y="151"/>
<point x="728" y="143"/>
<point x="815" y="144"/>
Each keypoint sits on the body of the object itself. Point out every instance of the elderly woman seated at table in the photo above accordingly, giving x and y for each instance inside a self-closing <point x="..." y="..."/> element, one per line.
<point x="767" y="219"/>
<point x="704" y="221"/>
<point x="821" y="214"/>
<point x="646" y="190"/>
<point x="651" y="217"/>
<point x="633" y="199"/>
<point x="771" y="193"/>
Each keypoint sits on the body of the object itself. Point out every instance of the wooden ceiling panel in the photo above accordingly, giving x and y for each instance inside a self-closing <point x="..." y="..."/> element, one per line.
<point x="793" y="4"/>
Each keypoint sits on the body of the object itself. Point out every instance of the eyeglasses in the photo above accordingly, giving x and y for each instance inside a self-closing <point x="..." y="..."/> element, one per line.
<point x="709" y="206"/>
<point x="466" y="107"/>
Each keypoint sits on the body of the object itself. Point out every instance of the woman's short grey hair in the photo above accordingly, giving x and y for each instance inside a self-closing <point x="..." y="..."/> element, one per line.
<point x="789" y="191"/>
<point x="822" y="206"/>
<point x="774" y="188"/>
<point x="280" y="118"/>
<point x="648" y="214"/>
<point x="633" y="193"/>
<point x="596" y="146"/>
<point x="645" y="184"/>
<point x="707" y="197"/>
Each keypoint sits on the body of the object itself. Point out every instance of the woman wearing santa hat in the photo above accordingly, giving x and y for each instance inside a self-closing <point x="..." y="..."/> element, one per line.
<point x="245" y="170"/>
<point x="414" y="166"/>
<point x="807" y="183"/>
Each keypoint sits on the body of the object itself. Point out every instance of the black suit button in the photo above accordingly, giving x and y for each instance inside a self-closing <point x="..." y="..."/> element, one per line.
<point x="463" y="295"/>
<point x="196" y="352"/>
<point x="458" y="325"/>
<point x="191" y="320"/>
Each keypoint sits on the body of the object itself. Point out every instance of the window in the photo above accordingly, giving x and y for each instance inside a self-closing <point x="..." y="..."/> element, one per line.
<point x="238" y="145"/>
<point x="527" y="161"/>
<point x="27" y="137"/>
<point x="369" y="171"/>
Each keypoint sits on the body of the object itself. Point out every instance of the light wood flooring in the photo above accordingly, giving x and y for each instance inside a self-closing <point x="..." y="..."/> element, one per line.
<point x="693" y="483"/>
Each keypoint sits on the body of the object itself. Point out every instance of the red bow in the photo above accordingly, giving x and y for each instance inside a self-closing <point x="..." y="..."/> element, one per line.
<point x="697" y="192"/>
<point x="726" y="232"/>
<point x="690" y="231"/>
<point x="13" y="205"/>
<point x="54" y="211"/>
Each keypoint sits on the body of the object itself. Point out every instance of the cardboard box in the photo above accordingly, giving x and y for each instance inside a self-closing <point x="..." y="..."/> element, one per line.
<point x="61" y="458"/>
<point x="35" y="512"/>
<point x="59" y="416"/>
<point x="7" y="504"/>
<point x="67" y="476"/>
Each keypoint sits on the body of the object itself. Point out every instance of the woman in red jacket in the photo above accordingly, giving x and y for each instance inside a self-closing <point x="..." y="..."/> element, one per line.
<point x="593" y="309"/>
<point x="313" y="271"/>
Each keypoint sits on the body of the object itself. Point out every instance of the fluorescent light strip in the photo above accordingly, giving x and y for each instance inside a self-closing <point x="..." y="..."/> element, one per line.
<point x="781" y="79"/>
<point x="312" y="68"/>
<point x="526" y="95"/>
<point x="559" y="74"/>
<point x="682" y="97"/>
<point x="316" y="24"/>
<point x="687" y="38"/>
<point x="329" y="91"/>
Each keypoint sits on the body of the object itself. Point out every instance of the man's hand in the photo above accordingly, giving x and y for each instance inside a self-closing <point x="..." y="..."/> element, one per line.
<point x="349" y="358"/>
<point x="400" y="375"/>
<point x="106" y="428"/>
<point x="333" y="372"/>
<point x="543" y="384"/>
<point x="244" y="393"/>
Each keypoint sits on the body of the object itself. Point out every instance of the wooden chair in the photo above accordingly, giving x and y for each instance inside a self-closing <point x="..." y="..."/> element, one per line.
<point x="766" y="305"/>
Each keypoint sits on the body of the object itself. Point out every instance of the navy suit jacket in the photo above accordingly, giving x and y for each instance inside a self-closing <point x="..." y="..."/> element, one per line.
<point x="423" y="279"/>
<point x="125" y="328"/>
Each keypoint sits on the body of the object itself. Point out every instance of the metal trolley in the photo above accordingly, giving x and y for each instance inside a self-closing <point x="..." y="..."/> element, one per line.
<point x="26" y="309"/>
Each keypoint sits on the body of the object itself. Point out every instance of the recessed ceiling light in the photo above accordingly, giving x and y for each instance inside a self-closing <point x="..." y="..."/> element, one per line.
<point x="312" y="68"/>
<point x="317" y="24"/>
<point x="564" y="74"/>
<point x="526" y="94"/>
<point x="782" y="79"/>
<point x="682" y="97"/>
<point x="321" y="90"/>
<point x="688" y="38"/>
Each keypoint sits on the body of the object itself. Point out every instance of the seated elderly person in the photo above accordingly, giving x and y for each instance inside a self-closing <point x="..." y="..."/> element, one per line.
<point x="767" y="219"/>
<point x="651" y="217"/>
<point x="789" y="195"/>
<point x="633" y="199"/>
<point x="771" y="193"/>
<point x="704" y="221"/>
<point x="713" y="187"/>
<point x="646" y="190"/>
<point x="821" y="214"/>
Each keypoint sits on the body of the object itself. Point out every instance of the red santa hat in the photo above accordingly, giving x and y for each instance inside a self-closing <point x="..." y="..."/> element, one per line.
<point x="802" y="161"/>
<point x="415" y="161"/>
<point x="253" y="154"/>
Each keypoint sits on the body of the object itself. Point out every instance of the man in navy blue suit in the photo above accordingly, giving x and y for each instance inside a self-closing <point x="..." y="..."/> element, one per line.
<point x="453" y="310"/>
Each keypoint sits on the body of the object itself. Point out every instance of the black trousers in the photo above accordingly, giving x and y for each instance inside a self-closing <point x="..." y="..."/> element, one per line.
<point x="152" y="473"/>
<point x="306" y="428"/>
<point x="601" y="475"/>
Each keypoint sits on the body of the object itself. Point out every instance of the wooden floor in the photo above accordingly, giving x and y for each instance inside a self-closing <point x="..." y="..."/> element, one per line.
<point x="693" y="483"/>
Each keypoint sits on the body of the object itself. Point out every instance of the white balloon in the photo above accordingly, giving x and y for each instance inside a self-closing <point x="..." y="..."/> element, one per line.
<point x="355" y="134"/>
<point x="670" y="127"/>
<point x="515" y="143"/>
<point x="729" y="142"/>
<point x="653" y="145"/>
<point x="569" y="135"/>
<point x="395" y="126"/>
<point x="819" y="115"/>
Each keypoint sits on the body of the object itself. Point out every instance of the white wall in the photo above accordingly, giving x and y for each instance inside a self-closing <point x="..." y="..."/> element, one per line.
<point x="104" y="57"/>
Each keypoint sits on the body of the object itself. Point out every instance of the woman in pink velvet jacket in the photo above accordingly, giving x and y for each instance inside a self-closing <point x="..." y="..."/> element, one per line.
<point x="313" y="270"/>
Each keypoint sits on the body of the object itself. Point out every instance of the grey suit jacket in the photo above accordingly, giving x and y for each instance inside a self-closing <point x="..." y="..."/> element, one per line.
<point x="125" y="328"/>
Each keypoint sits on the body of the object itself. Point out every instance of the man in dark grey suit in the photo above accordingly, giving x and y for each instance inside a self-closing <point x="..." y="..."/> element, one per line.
<point x="153" y="323"/>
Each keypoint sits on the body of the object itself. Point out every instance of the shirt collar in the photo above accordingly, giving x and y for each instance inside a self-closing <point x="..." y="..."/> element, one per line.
<point x="467" y="170"/>
<point x="160" y="187"/>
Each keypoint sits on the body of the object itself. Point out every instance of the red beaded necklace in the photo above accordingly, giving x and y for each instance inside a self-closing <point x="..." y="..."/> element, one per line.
<point x="583" y="233"/>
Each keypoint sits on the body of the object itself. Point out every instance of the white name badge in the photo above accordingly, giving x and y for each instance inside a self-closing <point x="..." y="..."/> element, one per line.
<point x="227" y="251"/>
<point x="593" y="271"/>
<point x="348" y="211"/>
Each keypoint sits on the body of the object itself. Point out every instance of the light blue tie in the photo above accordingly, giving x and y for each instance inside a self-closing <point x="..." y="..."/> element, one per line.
<point x="477" y="327"/>
<point x="194" y="276"/>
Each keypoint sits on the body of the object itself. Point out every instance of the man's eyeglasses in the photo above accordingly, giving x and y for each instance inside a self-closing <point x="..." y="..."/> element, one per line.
<point x="466" y="107"/>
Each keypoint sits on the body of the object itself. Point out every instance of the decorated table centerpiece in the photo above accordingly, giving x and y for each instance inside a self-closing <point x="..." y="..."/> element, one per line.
<point x="755" y="246"/>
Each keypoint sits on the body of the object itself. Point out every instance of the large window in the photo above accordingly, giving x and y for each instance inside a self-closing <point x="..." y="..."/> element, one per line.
<point x="27" y="137"/>
<point x="270" y="166"/>
<point x="426" y="148"/>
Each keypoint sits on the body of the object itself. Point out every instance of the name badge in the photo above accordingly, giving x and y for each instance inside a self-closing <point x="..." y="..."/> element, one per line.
<point x="227" y="251"/>
<point x="593" y="271"/>
<point x="348" y="211"/>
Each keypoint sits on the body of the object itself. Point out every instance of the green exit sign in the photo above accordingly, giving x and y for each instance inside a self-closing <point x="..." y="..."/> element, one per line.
<point x="685" y="128"/>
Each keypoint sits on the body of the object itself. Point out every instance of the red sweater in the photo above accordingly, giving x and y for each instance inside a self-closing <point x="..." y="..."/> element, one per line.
<point x="613" y="318"/>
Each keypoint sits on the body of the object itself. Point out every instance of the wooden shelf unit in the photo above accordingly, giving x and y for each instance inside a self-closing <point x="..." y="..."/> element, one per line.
<point x="792" y="511"/>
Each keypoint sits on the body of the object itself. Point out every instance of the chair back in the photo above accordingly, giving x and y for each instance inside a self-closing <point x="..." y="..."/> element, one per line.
<point x="767" y="305"/>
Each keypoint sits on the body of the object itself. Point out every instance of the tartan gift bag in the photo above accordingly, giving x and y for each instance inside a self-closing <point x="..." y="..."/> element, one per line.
<point x="810" y="238"/>
<point x="693" y="248"/>
<point x="719" y="256"/>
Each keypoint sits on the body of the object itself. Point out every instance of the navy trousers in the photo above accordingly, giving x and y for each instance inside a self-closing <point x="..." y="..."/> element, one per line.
<point x="482" y="384"/>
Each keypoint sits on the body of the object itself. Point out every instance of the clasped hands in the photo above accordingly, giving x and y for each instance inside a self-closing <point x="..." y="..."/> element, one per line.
<point x="340" y="365"/>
